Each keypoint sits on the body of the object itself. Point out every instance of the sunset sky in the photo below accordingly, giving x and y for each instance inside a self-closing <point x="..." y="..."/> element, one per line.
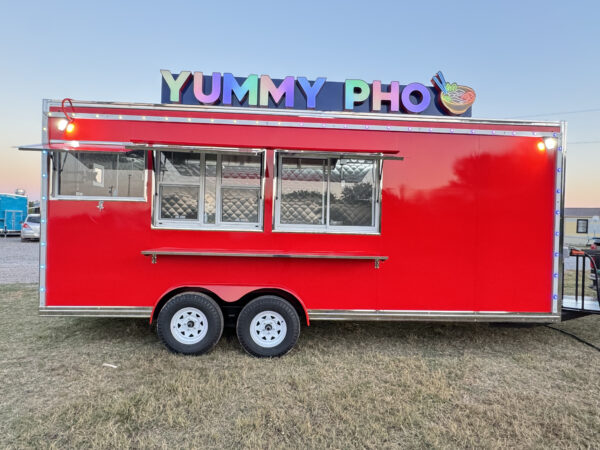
<point x="526" y="60"/>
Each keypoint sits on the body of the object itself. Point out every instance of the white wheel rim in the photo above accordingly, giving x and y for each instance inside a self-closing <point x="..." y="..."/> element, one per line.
<point x="268" y="329"/>
<point x="189" y="326"/>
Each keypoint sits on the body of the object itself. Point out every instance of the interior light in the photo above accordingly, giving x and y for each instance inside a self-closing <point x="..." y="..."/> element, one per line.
<point x="541" y="146"/>
<point x="551" y="143"/>
<point x="62" y="124"/>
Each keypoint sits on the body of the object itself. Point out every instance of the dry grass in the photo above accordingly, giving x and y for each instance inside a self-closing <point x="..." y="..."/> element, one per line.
<point x="569" y="283"/>
<point x="346" y="385"/>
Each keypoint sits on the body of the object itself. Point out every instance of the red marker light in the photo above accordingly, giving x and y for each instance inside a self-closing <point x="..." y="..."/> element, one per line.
<point x="541" y="146"/>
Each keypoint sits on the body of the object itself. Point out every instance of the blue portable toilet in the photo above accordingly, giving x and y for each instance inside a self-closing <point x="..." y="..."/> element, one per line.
<point x="13" y="211"/>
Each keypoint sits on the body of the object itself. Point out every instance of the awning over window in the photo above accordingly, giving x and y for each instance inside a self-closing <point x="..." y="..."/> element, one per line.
<point x="191" y="148"/>
<point x="75" y="146"/>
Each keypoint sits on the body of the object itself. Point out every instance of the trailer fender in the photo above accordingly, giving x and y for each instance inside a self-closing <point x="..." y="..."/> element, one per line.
<point x="230" y="294"/>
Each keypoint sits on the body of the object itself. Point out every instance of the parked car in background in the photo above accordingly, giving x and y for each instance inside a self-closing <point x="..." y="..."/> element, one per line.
<point x="31" y="227"/>
<point x="594" y="243"/>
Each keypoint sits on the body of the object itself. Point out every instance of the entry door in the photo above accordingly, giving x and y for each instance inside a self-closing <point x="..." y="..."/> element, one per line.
<point x="13" y="220"/>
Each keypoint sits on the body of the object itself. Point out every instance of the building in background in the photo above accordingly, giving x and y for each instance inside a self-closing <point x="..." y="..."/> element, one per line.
<point x="34" y="207"/>
<point x="581" y="224"/>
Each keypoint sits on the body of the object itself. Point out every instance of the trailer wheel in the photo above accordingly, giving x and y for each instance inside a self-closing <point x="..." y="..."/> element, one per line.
<point x="268" y="327"/>
<point x="190" y="323"/>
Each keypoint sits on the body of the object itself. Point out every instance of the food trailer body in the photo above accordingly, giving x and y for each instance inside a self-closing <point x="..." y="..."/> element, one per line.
<point x="337" y="216"/>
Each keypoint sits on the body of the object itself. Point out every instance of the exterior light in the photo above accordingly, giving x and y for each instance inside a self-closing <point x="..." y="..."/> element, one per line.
<point x="551" y="143"/>
<point x="541" y="146"/>
<point x="67" y="124"/>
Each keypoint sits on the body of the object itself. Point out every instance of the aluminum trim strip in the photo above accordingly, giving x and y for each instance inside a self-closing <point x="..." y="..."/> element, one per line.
<point x="97" y="311"/>
<point x="310" y="125"/>
<point x="300" y="113"/>
<point x="415" y="315"/>
<point x="96" y="199"/>
<point x="45" y="183"/>
<point x="562" y="158"/>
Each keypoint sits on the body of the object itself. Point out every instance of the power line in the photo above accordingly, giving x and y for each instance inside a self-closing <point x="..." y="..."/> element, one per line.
<point x="578" y="111"/>
<point x="577" y="338"/>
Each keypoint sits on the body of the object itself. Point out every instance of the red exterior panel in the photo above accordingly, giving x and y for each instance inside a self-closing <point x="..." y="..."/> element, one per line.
<point x="467" y="220"/>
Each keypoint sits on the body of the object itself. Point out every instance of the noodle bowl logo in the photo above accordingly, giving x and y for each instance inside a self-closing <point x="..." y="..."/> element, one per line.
<point x="454" y="98"/>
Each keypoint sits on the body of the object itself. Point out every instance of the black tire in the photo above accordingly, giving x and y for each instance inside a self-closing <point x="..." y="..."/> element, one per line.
<point x="264" y="304"/>
<point x="178" y="304"/>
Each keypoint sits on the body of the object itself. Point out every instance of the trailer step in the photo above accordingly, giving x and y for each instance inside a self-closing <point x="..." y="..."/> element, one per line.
<point x="590" y="304"/>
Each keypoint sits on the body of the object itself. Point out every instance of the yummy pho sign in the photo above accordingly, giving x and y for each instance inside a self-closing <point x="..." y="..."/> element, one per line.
<point x="291" y="92"/>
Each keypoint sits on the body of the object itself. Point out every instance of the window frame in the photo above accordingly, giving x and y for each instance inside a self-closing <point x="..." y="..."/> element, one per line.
<point x="54" y="181"/>
<point x="375" y="229"/>
<point x="198" y="224"/>
<point x="586" y="221"/>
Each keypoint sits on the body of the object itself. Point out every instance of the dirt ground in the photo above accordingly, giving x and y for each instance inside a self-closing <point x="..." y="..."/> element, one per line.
<point x="346" y="385"/>
<point x="19" y="261"/>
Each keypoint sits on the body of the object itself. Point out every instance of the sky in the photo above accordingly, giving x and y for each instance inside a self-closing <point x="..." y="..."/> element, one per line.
<point x="525" y="59"/>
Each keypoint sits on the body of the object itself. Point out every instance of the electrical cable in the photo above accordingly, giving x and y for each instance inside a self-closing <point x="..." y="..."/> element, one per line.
<point x="65" y="100"/>
<point x="579" y="111"/>
<point x="577" y="338"/>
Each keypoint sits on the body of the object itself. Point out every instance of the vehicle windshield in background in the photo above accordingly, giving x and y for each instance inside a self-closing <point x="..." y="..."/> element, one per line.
<point x="33" y="219"/>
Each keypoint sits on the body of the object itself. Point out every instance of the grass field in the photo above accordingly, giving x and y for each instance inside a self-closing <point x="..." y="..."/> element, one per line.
<point x="346" y="385"/>
<point x="569" y="283"/>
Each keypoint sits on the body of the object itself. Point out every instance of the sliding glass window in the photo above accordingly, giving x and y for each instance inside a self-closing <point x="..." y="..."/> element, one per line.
<point x="96" y="175"/>
<point x="327" y="194"/>
<point x="208" y="190"/>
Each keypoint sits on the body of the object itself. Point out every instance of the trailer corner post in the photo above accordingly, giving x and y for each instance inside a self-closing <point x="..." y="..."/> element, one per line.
<point x="45" y="183"/>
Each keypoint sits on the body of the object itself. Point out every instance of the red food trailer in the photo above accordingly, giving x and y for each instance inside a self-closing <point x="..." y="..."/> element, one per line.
<point x="199" y="216"/>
